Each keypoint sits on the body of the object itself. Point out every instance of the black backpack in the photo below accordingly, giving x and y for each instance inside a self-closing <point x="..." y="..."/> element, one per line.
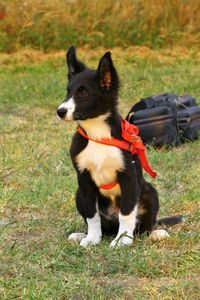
<point x="166" y="119"/>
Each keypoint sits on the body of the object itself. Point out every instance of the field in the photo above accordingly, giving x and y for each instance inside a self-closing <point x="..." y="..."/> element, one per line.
<point x="38" y="184"/>
<point x="57" y="24"/>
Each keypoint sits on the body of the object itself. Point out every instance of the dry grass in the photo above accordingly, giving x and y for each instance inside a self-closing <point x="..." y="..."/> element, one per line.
<point x="164" y="56"/>
<point x="56" y="24"/>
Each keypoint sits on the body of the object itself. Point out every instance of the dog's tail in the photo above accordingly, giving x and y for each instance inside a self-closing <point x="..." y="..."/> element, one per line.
<point x="170" y="220"/>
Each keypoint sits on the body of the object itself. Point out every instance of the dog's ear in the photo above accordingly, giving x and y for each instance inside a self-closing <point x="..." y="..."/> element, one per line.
<point x="107" y="74"/>
<point x="74" y="65"/>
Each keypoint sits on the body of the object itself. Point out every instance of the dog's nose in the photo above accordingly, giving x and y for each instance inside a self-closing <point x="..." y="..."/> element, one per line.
<point x="62" y="112"/>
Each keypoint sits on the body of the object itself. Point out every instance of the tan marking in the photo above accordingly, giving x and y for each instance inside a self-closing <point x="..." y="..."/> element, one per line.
<point x="102" y="161"/>
<point x="112" y="193"/>
<point x="141" y="210"/>
<point x="112" y="212"/>
<point x="108" y="80"/>
<point x="103" y="164"/>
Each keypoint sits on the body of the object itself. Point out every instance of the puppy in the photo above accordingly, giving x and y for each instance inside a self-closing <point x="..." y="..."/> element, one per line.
<point x="113" y="196"/>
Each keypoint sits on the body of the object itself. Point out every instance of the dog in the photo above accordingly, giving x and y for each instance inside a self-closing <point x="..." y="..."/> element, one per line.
<point x="128" y="206"/>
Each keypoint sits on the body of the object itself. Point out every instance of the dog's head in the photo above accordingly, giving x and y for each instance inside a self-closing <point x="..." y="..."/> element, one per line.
<point x="90" y="93"/>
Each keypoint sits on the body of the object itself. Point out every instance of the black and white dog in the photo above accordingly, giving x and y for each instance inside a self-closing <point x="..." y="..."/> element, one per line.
<point x="131" y="205"/>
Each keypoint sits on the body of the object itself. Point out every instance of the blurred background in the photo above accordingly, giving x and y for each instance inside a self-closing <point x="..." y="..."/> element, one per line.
<point x="56" y="24"/>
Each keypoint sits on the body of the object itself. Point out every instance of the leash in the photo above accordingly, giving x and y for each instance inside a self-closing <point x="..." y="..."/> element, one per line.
<point x="131" y="142"/>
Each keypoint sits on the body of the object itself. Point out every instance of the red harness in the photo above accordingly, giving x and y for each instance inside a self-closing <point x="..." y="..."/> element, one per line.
<point x="131" y="142"/>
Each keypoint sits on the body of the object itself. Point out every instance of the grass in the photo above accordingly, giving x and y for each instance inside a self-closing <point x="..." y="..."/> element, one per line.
<point x="38" y="183"/>
<point x="56" y="24"/>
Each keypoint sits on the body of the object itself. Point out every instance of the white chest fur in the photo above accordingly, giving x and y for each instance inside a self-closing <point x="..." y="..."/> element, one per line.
<point x="101" y="161"/>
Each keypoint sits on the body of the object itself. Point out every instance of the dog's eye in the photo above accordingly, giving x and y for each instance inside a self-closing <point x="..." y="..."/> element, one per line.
<point x="82" y="91"/>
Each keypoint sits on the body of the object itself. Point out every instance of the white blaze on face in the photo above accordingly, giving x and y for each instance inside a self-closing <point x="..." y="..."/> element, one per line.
<point x="69" y="105"/>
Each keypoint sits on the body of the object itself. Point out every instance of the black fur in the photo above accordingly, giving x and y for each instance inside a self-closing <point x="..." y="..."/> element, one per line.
<point x="170" y="220"/>
<point x="95" y="93"/>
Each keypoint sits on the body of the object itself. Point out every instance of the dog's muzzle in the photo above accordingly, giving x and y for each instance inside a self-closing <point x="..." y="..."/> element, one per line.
<point x="66" y="110"/>
<point x="61" y="112"/>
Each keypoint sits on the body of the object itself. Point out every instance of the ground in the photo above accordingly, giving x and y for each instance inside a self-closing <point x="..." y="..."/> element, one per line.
<point x="38" y="184"/>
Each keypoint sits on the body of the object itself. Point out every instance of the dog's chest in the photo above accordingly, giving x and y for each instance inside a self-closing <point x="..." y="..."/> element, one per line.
<point x="102" y="162"/>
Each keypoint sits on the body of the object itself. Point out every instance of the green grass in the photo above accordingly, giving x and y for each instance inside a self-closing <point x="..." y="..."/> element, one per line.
<point x="38" y="184"/>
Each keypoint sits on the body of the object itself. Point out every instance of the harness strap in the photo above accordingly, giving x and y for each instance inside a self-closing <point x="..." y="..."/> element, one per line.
<point x="108" y="186"/>
<point x="130" y="133"/>
<point x="131" y="142"/>
<point x="106" y="141"/>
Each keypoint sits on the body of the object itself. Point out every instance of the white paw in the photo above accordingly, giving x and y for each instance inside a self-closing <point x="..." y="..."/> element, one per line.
<point x="121" y="241"/>
<point x="90" y="240"/>
<point x="158" y="235"/>
<point x="76" y="236"/>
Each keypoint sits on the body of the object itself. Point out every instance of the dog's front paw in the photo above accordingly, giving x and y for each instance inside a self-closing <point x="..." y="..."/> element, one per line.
<point x="76" y="236"/>
<point x="158" y="235"/>
<point x="90" y="240"/>
<point x="121" y="241"/>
